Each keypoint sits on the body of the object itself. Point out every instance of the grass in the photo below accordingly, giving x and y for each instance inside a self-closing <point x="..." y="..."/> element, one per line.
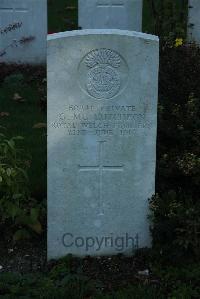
<point x="21" y="118"/>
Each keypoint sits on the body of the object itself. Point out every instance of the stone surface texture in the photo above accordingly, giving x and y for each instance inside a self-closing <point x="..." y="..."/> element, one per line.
<point x="111" y="14"/>
<point x="194" y="21"/>
<point x="32" y="14"/>
<point x="102" y="123"/>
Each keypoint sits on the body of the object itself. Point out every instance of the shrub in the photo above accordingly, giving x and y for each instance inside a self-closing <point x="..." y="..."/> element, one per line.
<point x="16" y="207"/>
<point x="169" y="18"/>
<point x="38" y="285"/>
<point x="176" y="207"/>
<point x="180" y="282"/>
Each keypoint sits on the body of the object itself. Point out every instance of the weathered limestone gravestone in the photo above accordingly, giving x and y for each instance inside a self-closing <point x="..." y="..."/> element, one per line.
<point x="194" y="21"/>
<point x="111" y="14"/>
<point x="33" y="16"/>
<point x="102" y="121"/>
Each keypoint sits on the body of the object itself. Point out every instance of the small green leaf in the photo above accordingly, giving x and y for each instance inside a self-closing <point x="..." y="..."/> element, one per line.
<point x="21" y="234"/>
<point x="18" y="138"/>
<point x="34" y="214"/>
<point x="9" y="171"/>
<point x="11" y="144"/>
<point x="36" y="227"/>
<point x="14" y="211"/>
<point x="17" y="196"/>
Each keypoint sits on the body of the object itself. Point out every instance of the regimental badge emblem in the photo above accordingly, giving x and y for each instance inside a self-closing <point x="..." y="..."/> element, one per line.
<point x="102" y="78"/>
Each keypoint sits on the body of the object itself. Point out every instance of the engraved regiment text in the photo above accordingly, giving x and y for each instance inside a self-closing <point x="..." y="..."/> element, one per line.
<point x="102" y="120"/>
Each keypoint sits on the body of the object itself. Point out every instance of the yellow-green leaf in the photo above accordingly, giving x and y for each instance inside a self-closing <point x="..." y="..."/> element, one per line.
<point x="36" y="227"/>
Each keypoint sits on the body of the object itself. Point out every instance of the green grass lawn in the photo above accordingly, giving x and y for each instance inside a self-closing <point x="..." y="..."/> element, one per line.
<point x="20" y="121"/>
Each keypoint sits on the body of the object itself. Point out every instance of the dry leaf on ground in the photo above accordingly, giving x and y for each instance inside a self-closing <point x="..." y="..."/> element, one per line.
<point x="18" y="98"/>
<point x="40" y="126"/>
<point x="2" y="114"/>
<point x="70" y="8"/>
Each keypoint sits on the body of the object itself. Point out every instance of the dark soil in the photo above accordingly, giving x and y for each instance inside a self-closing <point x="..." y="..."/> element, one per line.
<point x="23" y="257"/>
<point x="111" y="272"/>
<point x="116" y="272"/>
<point x="31" y="72"/>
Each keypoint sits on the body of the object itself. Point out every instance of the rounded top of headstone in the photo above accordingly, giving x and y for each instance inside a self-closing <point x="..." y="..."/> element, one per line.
<point x="118" y="32"/>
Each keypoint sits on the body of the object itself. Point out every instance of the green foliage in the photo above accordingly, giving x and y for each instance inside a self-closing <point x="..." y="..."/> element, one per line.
<point x="176" y="207"/>
<point x="22" y="94"/>
<point x="136" y="292"/>
<point x="169" y="18"/>
<point x="176" y="225"/>
<point x="14" y="80"/>
<point x="42" y="286"/>
<point x="16" y="206"/>
<point x="62" y="18"/>
<point x="168" y="283"/>
<point x="180" y="282"/>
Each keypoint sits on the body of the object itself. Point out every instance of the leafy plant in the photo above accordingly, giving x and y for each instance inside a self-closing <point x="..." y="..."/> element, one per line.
<point x="14" y="80"/>
<point x="16" y="206"/>
<point x="42" y="286"/>
<point x="176" y="225"/>
<point x="176" y="207"/>
<point x="169" y="17"/>
<point x="180" y="282"/>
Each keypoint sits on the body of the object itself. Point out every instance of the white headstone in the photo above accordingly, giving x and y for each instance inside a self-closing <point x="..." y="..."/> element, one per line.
<point x="194" y="21"/>
<point x="33" y="16"/>
<point x="102" y="121"/>
<point x="111" y="14"/>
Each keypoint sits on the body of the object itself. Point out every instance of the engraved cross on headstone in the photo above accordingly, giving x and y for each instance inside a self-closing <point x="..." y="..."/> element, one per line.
<point x="100" y="168"/>
<point x="13" y="9"/>
<point x="110" y="3"/>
